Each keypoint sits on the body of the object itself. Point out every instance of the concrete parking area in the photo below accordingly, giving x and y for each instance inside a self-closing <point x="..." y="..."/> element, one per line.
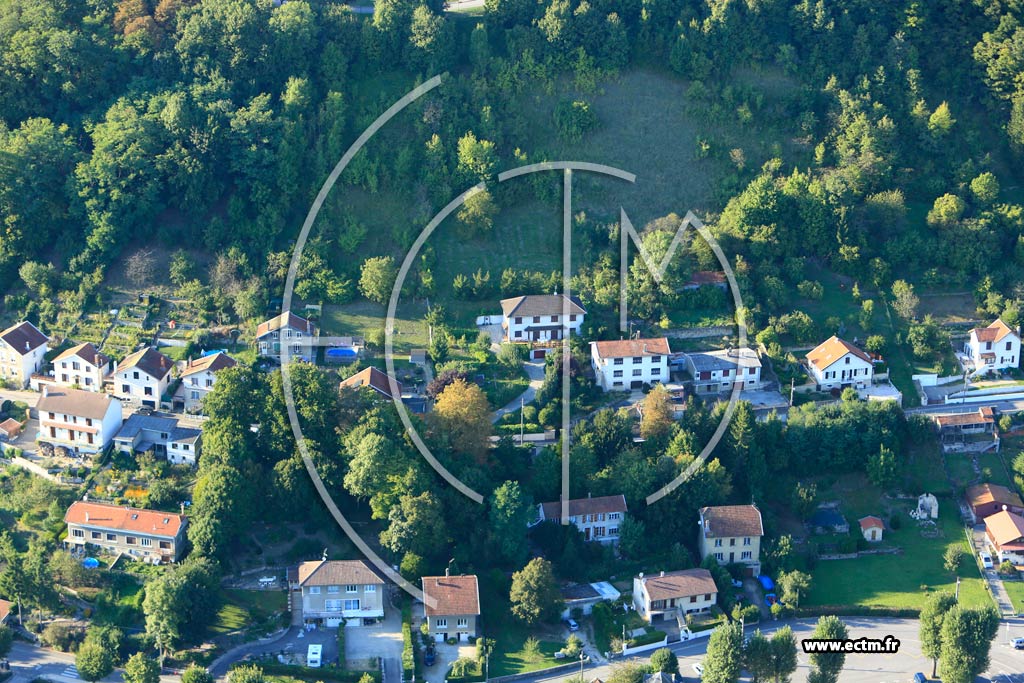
<point x="446" y="654"/>
<point x="298" y="640"/>
<point x="381" y="640"/>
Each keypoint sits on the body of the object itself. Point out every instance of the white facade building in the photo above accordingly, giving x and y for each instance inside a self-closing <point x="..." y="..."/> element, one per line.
<point x="598" y="519"/>
<point x="142" y="378"/>
<point x="719" y="371"/>
<point x="162" y="435"/>
<point x="198" y="377"/>
<point x="669" y="595"/>
<point x="85" y="421"/>
<point x="630" y="363"/>
<point x="81" y="367"/>
<point x="542" y="317"/>
<point x="993" y="348"/>
<point x="22" y="352"/>
<point x="837" y="364"/>
<point x="287" y="330"/>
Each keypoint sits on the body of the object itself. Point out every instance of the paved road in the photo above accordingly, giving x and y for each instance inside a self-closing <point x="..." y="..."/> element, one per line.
<point x="1007" y="663"/>
<point x="1001" y="406"/>
<point x="29" y="662"/>
<point x="535" y="371"/>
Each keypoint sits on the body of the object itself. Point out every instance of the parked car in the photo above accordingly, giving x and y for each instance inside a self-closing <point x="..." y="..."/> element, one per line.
<point x="737" y="584"/>
<point x="429" y="656"/>
<point x="766" y="582"/>
<point x="920" y="678"/>
<point x="986" y="560"/>
<point x="698" y="668"/>
<point x="1018" y="643"/>
<point x="573" y="625"/>
<point x="770" y="599"/>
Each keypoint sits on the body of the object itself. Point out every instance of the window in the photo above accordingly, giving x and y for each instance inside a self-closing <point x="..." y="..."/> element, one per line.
<point x="78" y="533"/>
<point x="572" y="319"/>
<point x="638" y="372"/>
<point x="613" y="515"/>
<point x="351" y="605"/>
<point x="637" y="360"/>
<point x="441" y="623"/>
<point x="334" y="589"/>
<point x="707" y="596"/>
<point x="613" y="531"/>
<point x="130" y="540"/>
<point x="988" y="346"/>
<point x="147" y="542"/>
<point x="719" y="556"/>
<point x="209" y="383"/>
<point x="463" y="622"/>
<point x="732" y="541"/>
<point x="194" y="395"/>
<point x="718" y="543"/>
<point x="149" y="391"/>
<point x="617" y="373"/>
<point x="693" y="598"/>
<point x="112" y="537"/>
<point x="97" y="535"/>
<point x="617" y="361"/>
<point x="352" y="588"/>
<point x="554" y="318"/>
<point x="751" y="371"/>
<point x="847" y="360"/>
<point x="536" y="318"/>
<point x="314" y="590"/>
<point x="746" y="541"/>
<point x="745" y="555"/>
<point x="135" y="375"/>
<point x="655" y="359"/>
<point x="332" y="605"/>
<point x="1008" y="346"/>
<point x="655" y="371"/>
<point x="519" y="321"/>
<point x="369" y="588"/>
<point x="165" y="545"/>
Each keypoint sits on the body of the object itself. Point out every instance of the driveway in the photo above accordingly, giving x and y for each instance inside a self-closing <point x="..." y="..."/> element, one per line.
<point x="535" y="371"/>
<point x="446" y="654"/>
<point x="384" y="640"/>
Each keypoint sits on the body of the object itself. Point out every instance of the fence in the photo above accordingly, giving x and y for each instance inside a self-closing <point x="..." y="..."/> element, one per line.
<point x="644" y="648"/>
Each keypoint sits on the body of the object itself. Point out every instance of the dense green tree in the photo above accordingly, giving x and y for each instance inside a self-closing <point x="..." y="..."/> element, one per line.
<point x="967" y="636"/>
<point x="826" y="667"/>
<point x="665" y="661"/>
<point x="377" y="278"/>
<point x="509" y="513"/>
<point x="141" y="669"/>
<point x="93" y="662"/>
<point x="932" y="615"/>
<point x="535" y="596"/>
<point x="724" y="655"/>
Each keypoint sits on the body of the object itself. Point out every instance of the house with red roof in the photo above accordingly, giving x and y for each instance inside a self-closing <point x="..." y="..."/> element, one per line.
<point x="630" y="363"/>
<point x="287" y="333"/>
<point x="838" y="364"/>
<point x="598" y="519"/>
<point x="992" y="348"/>
<point x="451" y="606"/>
<point x="146" y="535"/>
<point x="872" y="527"/>
<point x="732" y="534"/>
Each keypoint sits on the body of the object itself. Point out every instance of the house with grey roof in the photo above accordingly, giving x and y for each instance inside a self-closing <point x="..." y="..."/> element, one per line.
<point x="720" y="370"/>
<point x="335" y="592"/>
<point x="83" y="421"/>
<point x="81" y="367"/>
<point x="541" y="317"/>
<point x="161" y="435"/>
<point x="732" y="534"/>
<point x="142" y="377"/>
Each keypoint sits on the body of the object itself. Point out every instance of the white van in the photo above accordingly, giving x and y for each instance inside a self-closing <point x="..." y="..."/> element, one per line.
<point x="313" y="656"/>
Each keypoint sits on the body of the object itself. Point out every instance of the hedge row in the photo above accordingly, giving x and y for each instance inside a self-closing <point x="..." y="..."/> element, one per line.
<point x="857" y="611"/>
<point x="647" y="638"/>
<point x="408" y="643"/>
<point x="327" y="673"/>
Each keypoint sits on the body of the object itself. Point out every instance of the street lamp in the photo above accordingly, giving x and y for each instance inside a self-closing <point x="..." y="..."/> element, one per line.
<point x="956" y="596"/>
<point x="581" y="664"/>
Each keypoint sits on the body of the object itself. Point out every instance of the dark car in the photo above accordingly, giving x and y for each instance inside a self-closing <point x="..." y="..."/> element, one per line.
<point x="920" y="678"/>
<point x="429" y="656"/>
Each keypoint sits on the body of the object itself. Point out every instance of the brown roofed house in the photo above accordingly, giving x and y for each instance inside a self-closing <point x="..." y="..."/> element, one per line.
<point x="373" y="378"/>
<point x="6" y="608"/>
<point x="81" y="367"/>
<point x="451" y="606"/>
<point x="541" y="317"/>
<point x="992" y="348"/>
<point x="146" y="535"/>
<point x="597" y="518"/>
<point x="988" y="499"/>
<point x="83" y="421"/>
<point x="287" y="333"/>
<point x="872" y="527"/>
<point x="198" y="377"/>
<point x="838" y="364"/>
<point x="627" y="364"/>
<point x="142" y="377"/>
<point x="1005" y="534"/>
<point x="331" y="592"/>
<point x="22" y="353"/>
<point x="732" y="534"/>
<point x="671" y="594"/>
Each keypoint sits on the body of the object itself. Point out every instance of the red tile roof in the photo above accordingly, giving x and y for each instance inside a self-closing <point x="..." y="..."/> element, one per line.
<point x="23" y="337"/>
<point x="86" y="352"/>
<point x="286" y="319"/>
<point x="706" y="277"/>
<point x="373" y="378"/>
<point x="105" y="516"/>
<point x="1004" y="527"/>
<point x="451" y="595"/>
<point x="994" y="332"/>
<point x="725" y="521"/>
<point x="337" y="573"/>
<point x="149" y="361"/>
<point x="981" y="416"/>
<point x="586" y="506"/>
<point x="213" y="363"/>
<point x="632" y="347"/>
<point x="981" y="494"/>
<point x="871" y="522"/>
<point x="677" y="584"/>
<point x="5" y="609"/>
<point x="831" y="350"/>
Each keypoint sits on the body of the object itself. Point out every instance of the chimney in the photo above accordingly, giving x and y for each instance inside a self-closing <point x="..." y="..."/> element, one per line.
<point x="182" y="506"/>
<point x="447" y="572"/>
<point x="87" y="515"/>
<point x="663" y="572"/>
<point x="28" y="347"/>
<point x="641" y="575"/>
<point x="46" y="390"/>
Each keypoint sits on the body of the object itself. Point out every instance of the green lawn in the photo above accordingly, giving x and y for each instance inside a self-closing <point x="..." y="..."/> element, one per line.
<point x="1015" y="589"/>
<point x="241" y="609"/>
<point x="897" y="581"/>
<point x="510" y="634"/>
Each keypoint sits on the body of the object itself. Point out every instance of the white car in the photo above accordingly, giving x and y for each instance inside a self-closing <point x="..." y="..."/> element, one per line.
<point x="1018" y="643"/>
<point x="986" y="559"/>
<point x="698" y="668"/>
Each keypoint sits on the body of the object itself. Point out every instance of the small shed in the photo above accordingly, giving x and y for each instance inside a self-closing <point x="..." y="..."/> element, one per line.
<point x="10" y="429"/>
<point x="872" y="528"/>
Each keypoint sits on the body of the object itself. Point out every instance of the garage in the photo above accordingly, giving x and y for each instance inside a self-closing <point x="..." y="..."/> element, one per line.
<point x="333" y="622"/>
<point x="538" y="354"/>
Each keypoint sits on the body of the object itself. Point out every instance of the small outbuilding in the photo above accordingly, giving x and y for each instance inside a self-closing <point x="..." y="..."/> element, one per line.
<point x="872" y="528"/>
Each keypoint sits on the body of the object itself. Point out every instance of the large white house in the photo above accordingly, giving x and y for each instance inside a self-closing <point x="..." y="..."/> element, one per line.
<point x="541" y="317"/>
<point x="162" y="436"/>
<point x="81" y="367"/>
<point x="718" y="371"/>
<point x="838" y="364"/>
<point x="672" y="594"/>
<point x="198" y="377"/>
<point x="630" y="363"/>
<point x="85" y="421"/>
<point x="597" y="518"/>
<point x="1005" y="533"/>
<point x="993" y="348"/>
<point x="287" y="330"/>
<point x="22" y="349"/>
<point x="143" y="377"/>
<point x="333" y="592"/>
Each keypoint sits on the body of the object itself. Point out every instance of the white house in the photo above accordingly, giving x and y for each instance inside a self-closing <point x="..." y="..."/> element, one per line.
<point x="333" y="592"/>
<point x="732" y="534"/>
<point x="672" y="594"/>
<point x="597" y="518"/>
<point x="1005" y="533"/>
<point x="143" y="377"/>
<point x="451" y="606"/>
<point x="198" y="377"/>
<point x="630" y="363"/>
<point x="837" y="364"/>
<point x="718" y="371"/>
<point x="287" y="329"/>
<point x="81" y="367"/>
<point x="22" y="350"/>
<point x="85" y="421"/>
<point x="541" y="317"/>
<point x="162" y="435"/>
<point x="993" y="348"/>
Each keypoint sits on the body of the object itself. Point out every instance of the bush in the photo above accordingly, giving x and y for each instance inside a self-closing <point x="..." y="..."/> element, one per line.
<point x="327" y="673"/>
<point x="653" y="636"/>
<point x="62" y="636"/>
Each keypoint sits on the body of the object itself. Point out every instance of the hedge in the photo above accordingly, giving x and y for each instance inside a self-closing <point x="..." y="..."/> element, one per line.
<point x="341" y="647"/>
<point x="327" y="673"/>
<point x="648" y="638"/>
<point x="408" y="643"/>
<point x="857" y="611"/>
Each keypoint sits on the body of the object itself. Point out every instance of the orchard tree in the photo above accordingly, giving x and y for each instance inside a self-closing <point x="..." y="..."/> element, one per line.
<point x="952" y="558"/>
<point x="905" y="302"/>
<point x="535" y="596"/>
